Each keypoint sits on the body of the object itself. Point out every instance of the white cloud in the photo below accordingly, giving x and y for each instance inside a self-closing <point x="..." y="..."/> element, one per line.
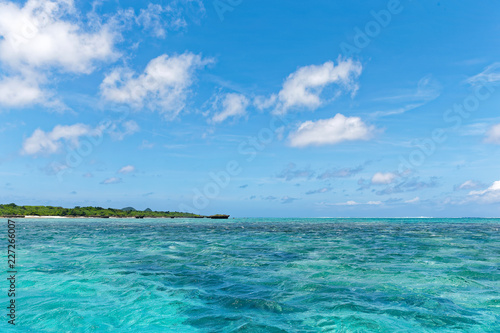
<point x="17" y="91"/>
<point x="494" y="187"/>
<point x="490" y="195"/>
<point x="233" y="105"/>
<point x="112" y="180"/>
<point x="348" y="203"/>
<point x="302" y="89"/>
<point x="37" y="35"/>
<point x="331" y="131"/>
<point x="383" y="178"/>
<point x="127" y="169"/>
<point x="41" y="142"/>
<point x="493" y="135"/>
<point x="47" y="35"/>
<point x="163" y="86"/>
<point x="42" y="38"/>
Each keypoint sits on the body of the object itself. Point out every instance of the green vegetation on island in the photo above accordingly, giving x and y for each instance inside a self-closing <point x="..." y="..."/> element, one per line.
<point x="13" y="210"/>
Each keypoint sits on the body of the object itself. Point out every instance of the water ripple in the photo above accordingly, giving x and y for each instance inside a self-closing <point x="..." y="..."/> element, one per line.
<point x="259" y="275"/>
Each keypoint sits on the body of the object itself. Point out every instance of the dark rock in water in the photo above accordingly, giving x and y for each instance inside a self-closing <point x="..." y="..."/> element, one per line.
<point x="219" y="216"/>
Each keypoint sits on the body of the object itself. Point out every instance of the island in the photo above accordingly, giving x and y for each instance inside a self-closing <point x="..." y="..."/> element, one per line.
<point x="14" y="211"/>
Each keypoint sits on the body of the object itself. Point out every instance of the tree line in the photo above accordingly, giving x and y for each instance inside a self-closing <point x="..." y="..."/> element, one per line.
<point x="15" y="210"/>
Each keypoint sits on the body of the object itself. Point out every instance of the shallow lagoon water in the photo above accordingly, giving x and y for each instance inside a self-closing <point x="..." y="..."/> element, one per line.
<point x="258" y="275"/>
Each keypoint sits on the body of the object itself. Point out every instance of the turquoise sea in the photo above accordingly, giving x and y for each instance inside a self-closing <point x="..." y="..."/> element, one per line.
<point x="256" y="275"/>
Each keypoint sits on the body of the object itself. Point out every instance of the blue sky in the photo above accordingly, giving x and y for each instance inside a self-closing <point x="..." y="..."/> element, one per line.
<point x="252" y="108"/>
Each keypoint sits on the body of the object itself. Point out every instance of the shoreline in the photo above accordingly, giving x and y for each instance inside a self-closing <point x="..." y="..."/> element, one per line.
<point x="103" y="217"/>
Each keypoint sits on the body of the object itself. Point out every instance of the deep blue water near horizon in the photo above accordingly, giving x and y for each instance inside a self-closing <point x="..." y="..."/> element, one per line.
<point x="257" y="275"/>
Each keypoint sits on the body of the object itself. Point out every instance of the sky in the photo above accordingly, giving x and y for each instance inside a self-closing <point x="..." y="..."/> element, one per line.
<point x="252" y="108"/>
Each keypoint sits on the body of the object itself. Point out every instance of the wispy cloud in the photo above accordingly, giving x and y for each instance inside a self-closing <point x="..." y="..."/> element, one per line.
<point x="118" y="131"/>
<point x="428" y="89"/>
<point x="146" y="145"/>
<point x="351" y="203"/>
<point x="490" y="74"/>
<point x="283" y="200"/>
<point x="127" y="169"/>
<point x="341" y="173"/>
<point x="469" y="185"/>
<point x="291" y="172"/>
<point x="53" y="168"/>
<point x="158" y="19"/>
<point x="319" y="191"/>
<point x="112" y="180"/>
<point x="287" y="200"/>
<point x="414" y="200"/>
<point x="52" y="142"/>
<point x="409" y="184"/>
<point x="475" y="129"/>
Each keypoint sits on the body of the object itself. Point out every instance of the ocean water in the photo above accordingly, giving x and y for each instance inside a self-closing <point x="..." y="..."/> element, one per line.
<point x="257" y="275"/>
